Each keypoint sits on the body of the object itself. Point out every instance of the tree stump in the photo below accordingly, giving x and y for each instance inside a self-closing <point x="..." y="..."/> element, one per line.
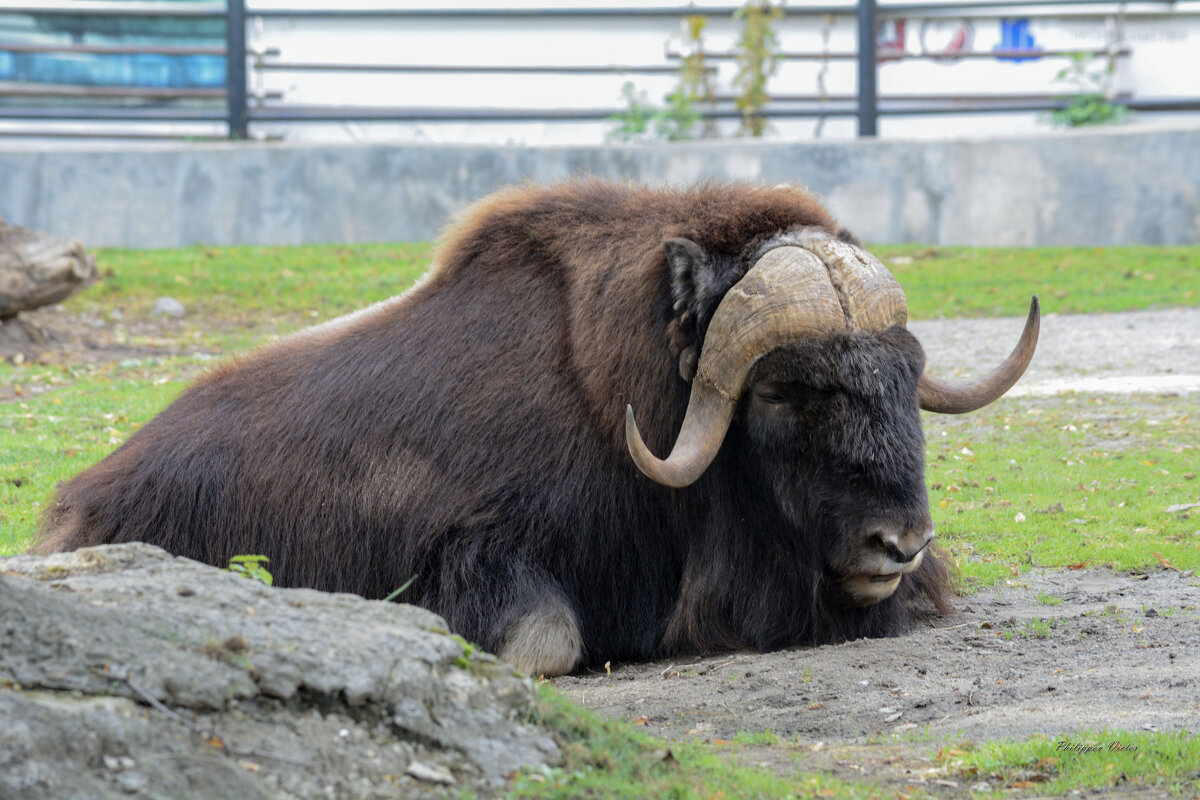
<point x="37" y="269"/>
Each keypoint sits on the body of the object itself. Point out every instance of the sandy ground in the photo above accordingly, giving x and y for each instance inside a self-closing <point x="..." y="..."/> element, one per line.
<point x="1119" y="651"/>
<point x="1130" y="351"/>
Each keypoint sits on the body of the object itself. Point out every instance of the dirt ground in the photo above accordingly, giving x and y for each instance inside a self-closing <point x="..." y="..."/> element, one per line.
<point x="1119" y="651"/>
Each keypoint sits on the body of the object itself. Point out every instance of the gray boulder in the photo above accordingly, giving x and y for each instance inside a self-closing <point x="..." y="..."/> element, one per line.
<point x="127" y="672"/>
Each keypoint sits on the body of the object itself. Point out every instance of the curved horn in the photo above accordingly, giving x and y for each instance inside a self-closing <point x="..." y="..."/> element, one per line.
<point x="944" y="397"/>
<point x="873" y="298"/>
<point x="784" y="297"/>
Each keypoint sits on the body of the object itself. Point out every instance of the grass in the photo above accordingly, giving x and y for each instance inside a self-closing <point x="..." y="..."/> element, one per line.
<point x="1036" y="628"/>
<point x="1168" y="761"/>
<point x="53" y="435"/>
<point x="1069" y="482"/>
<point x="989" y="281"/>
<point x="291" y="286"/>
<point x="300" y="280"/>
<point x="610" y="759"/>
<point x="1047" y="599"/>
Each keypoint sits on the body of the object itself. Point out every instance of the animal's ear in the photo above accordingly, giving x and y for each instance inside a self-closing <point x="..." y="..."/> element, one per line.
<point x="692" y="272"/>
<point x="693" y="279"/>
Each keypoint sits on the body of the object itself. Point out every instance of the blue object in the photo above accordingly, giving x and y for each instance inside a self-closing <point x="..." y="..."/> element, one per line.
<point x="1015" y="35"/>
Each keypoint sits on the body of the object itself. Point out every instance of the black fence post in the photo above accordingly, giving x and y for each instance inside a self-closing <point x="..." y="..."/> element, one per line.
<point x="868" y="111"/>
<point x="235" y="67"/>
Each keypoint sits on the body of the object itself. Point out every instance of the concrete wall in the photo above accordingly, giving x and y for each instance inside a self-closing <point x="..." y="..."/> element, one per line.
<point x="1116" y="186"/>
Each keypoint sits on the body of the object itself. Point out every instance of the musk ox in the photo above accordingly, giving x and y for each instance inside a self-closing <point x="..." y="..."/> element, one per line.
<point x="478" y="432"/>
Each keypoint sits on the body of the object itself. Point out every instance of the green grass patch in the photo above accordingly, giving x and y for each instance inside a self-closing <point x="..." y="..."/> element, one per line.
<point x="1080" y="481"/>
<point x="1088" y="760"/>
<point x="998" y="281"/>
<point x="80" y="419"/>
<point x="237" y="297"/>
<point x="291" y="286"/>
<point x="226" y="281"/>
<point x="610" y="759"/>
<point x="1047" y="599"/>
<point x="1036" y="628"/>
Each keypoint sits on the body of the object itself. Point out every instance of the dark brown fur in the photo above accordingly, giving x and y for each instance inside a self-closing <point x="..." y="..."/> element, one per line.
<point x="471" y="434"/>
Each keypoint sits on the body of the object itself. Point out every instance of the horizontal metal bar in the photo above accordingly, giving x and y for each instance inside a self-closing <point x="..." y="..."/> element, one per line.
<point x="99" y="8"/>
<point x="909" y="9"/>
<point x="524" y="13"/>
<point x="886" y="106"/>
<point x="97" y="133"/>
<point x="892" y="107"/>
<point x="897" y="9"/>
<point x="112" y="49"/>
<point x="385" y="114"/>
<point x="210" y="10"/>
<point x="932" y="97"/>
<point x="107" y="92"/>
<point x="138" y="114"/>
<point x="564" y="69"/>
<point x="889" y="55"/>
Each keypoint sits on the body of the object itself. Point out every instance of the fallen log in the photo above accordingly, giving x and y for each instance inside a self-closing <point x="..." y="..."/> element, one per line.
<point x="37" y="269"/>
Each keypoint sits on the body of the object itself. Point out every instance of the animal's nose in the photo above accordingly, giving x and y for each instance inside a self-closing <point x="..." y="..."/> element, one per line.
<point x="902" y="543"/>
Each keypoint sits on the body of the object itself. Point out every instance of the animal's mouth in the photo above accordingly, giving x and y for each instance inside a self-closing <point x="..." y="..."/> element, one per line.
<point x="871" y="587"/>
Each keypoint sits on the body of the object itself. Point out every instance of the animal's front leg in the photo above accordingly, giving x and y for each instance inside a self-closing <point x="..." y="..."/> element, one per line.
<point x="543" y="640"/>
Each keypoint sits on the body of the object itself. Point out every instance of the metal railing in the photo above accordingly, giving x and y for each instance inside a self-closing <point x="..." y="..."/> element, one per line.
<point x="237" y="109"/>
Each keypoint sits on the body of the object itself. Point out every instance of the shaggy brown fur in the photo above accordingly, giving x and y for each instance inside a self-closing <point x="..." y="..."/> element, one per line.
<point x="470" y="433"/>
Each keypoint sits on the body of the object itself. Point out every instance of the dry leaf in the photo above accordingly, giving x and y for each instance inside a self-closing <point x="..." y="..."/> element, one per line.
<point x="1162" y="560"/>
<point x="642" y="721"/>
<point x="1080" y="565"/>
<point x="215" y="742"/>
<point x="721" y="741"/>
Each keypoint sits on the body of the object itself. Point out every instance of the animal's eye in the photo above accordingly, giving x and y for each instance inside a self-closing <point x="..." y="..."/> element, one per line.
<point x="770" y="397"/>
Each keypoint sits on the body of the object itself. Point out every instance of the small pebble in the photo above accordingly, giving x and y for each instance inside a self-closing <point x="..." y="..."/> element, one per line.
<point x="424" y="772"/>
<point x="168" y="306"/>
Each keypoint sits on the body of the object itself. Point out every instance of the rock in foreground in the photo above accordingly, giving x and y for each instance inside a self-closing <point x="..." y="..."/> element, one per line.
<point x="127" y="672"/>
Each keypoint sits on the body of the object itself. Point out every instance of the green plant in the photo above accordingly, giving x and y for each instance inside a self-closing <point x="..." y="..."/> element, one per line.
<point x="468" y="649"/>
<point x="1048" y="599"/>
<point x="632" y="123"/>
<point x="695" y="87"/>
<point x="1089" y="104"/>
<point x="400" y="591"/>
<point x="757" y="62"/>
<point x="756" y="738"/>
<point x="252" y="567"/>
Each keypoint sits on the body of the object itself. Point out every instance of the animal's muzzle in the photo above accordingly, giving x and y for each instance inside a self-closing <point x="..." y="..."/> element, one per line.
<point x="886" y="553"/>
